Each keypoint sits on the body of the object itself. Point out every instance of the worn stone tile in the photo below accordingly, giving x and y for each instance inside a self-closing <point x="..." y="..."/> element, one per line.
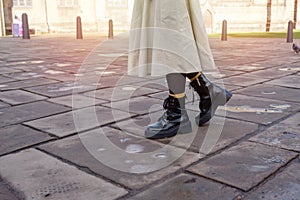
<point x="27" y="112"/>
<point x="285" y="185"/>
<point x="26" y="83"/>
<point x="285" y="135"/>
<point x="120" y="93"/>
<point x="138" y="105"/>
<point x="219" y="133"/>
<point x="15" y="97"/>
<point x="243" y="80"/>
<point x="288" y="81"/>
<point x="7" y="70"/>
<point x="17" y="137"/>
<point x="59" y="77"/>
<point x="272" y="73"/>
<point x="4" y="79"/>
<point x="3" y="105"/>
<point x="245" y="165"/>
<point x="257" y="110"/>
<point x="78" y="120"/>
<point x="132" y="162"/>
<point x="223" y="73"/>
<point x="245" y="68"/>
<point x="5" y="193"/>
<point x="161" y="95"/>
<point x="103" y="81"/>
<point x="158" y="83"/>
<point x="40" y="176"/>
<point x="61" y="89"/>
<point x="188" y="187"/>
<point x="24" y="75"/>
<point x="272" y="92"/>
<point x="77" y="101"/>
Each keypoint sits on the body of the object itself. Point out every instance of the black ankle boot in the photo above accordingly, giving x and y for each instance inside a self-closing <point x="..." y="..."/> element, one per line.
<point x="211" y="96"/>
<point x="174" y="120"/>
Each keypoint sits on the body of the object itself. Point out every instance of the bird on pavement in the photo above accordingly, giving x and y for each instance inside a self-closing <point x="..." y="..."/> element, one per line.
<point x="296" y="48"/>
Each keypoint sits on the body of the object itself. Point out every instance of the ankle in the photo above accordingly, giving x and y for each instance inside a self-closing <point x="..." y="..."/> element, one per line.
<point x="177" y="100"/>
<point x="193" y="76"/>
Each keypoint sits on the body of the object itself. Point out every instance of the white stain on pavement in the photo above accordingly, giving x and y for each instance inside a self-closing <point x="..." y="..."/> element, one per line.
<point x="53" y="72"/>
<point x="247" y="109"/>
<point x="110" y="55"/>
<point x="134" y="148"/>
<point x="62" y="64"/>
<point x="128" y="88"/>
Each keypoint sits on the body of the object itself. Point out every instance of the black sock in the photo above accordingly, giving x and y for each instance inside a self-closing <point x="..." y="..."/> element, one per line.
<point x="191" y="75"/>
<point x="176" y="84"/>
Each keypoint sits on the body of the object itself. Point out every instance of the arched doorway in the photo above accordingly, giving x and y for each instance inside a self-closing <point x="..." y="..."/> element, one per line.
<point x="208" y="21"/>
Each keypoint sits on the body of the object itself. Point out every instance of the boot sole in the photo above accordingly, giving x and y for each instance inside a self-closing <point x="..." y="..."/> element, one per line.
<point x="184" y="128"/>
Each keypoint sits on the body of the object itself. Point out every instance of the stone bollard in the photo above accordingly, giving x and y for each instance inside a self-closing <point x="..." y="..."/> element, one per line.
<point x="290" y="32"/>
<point x="110" y="29"/>
<point x="224" y="31"/>
<point x="25" y="26"/>
<point x="79" y="28"/>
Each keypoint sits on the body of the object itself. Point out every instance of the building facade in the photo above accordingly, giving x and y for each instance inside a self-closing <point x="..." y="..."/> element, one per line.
<point x="60" y="15"/>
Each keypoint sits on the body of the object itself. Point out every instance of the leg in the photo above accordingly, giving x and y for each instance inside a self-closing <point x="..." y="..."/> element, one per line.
<point x="175" y="118"/>
<point x="211" y="96"/>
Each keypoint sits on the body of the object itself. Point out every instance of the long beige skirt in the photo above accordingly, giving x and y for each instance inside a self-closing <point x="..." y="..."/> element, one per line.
<point x="168" y="36"/>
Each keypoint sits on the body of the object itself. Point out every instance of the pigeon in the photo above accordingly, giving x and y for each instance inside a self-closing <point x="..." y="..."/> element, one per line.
<point x="296" y="48"/>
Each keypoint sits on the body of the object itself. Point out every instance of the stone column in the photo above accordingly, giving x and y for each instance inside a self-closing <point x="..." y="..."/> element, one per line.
<point x="7" y="5"/>
<point x="2" y="21"/>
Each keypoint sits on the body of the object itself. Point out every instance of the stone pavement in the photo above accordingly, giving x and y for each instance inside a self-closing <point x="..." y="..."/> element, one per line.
<point x="65" y="105"/>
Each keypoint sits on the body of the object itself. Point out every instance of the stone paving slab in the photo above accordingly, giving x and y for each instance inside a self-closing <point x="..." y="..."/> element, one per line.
<point x="16" y="97"/>
<point x="4" y="79"/>
<point x="53" y="74"/>
<point x="138" y="105"/>
<point x="257" y="110"/>
<point x="158" y="83"/>
<point x="288" y="81"/>
<point x="61" y="89"/>
<point x="244" y="68"/>
<point x="285" y="185"/>
<point x="7" y="70"/>
<point x="120" y="93"/>
<point x="4" y="105"/>
<point x="16" y="137"/>
<point x="75" y="121"/>
<point x="27" y="112"/>
<point x="39" y="176"/>
<point x="188" y="187"/>
<point x="26" y="83"/>
<point x="222" y="131"/>
<point x="244" y="80"/>
<point x="226" y="130"/>
<point x="272" y="73"/>
<point x="5" y="193"/>
<point x="245" y="165"/>
<point x="24" y="75"/>
<point x="72" y="149"/>
<point x="119" y="80"/>
<point x="223" y="73"/>
<point x="272" y="92"/>
<point x="77" y="101"/>
<point x="285" y="135"/>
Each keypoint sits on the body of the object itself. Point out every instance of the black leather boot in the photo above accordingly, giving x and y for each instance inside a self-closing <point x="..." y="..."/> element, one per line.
<point x="174" y="120"/>
<point x="211" y="96"/>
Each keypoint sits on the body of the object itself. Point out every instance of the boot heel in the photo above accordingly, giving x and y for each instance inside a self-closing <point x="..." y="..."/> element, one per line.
<point x="185" y="128"/>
